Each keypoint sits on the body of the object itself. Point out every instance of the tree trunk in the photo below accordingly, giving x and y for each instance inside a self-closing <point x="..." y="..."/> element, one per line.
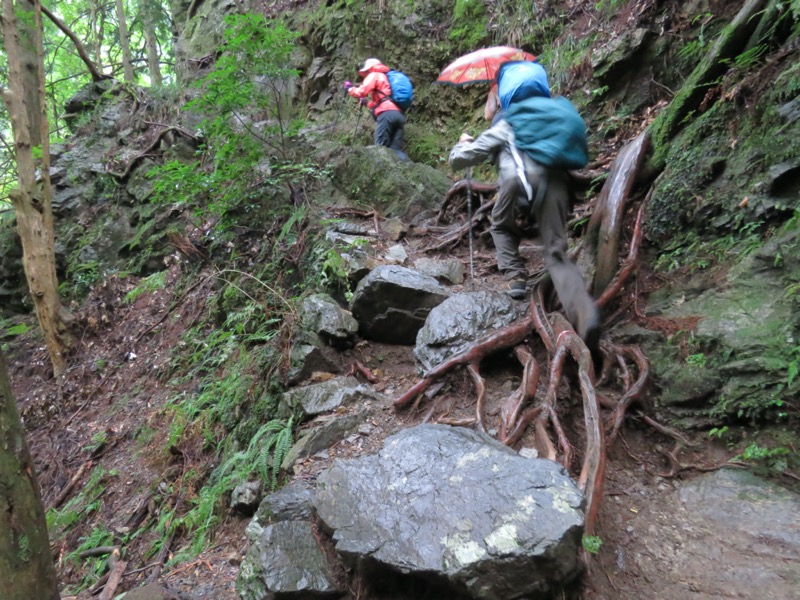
<point x="148" y="11"/>
<point x="25" y="101"/>
<point x="26" y="564"/>
<point x="95" y="73"/>
<point x="127" y="62"/>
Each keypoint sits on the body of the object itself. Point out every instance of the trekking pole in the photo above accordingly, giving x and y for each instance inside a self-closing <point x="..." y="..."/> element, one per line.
<point x="358" y="119"/>
<point x="469" y="217"/>
<point x="339" y="110"/>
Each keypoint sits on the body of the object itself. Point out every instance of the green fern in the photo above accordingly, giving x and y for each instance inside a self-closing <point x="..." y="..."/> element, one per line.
<point x="148" y="285"/>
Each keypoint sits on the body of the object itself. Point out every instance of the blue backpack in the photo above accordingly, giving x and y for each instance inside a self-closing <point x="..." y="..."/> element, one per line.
<point x="402" y="90"/>
<point x="520" y="80"/>
<point x="550" y="130"/>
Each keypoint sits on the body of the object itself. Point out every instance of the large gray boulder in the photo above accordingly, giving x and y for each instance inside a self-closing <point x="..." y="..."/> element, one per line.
<point x="458" y="507"/>
<point x="459" y="321"/>
<point x="392" y="303"/>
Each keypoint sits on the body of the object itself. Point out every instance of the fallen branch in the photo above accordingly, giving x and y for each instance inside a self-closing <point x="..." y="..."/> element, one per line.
<point x="71" y="484"/>
<point x="117" y="569"/>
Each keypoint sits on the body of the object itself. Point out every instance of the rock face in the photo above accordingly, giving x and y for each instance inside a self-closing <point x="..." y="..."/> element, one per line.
<point x="456" y="507"/>
<point x="730" y="518"/>
<point x="286" y="562"/>
<point x="460" y="320"/>
<point x="392" y="303"/>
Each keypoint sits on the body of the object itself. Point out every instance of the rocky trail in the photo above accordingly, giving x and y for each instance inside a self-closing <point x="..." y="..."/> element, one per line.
<point x="666" y="529"/>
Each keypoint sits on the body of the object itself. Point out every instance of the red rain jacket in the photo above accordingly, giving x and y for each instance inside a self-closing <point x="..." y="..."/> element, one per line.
<point x="376" y="87"/>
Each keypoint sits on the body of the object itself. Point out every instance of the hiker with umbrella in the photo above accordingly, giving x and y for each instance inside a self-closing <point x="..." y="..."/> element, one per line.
<point x="533" y="141"/>
<point x="376" y="92"/>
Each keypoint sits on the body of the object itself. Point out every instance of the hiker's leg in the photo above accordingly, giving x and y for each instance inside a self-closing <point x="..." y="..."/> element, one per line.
<point x="570" y="286"/>
<point x="505" y="233"/>
<point x="383" y="125"/>
<point x="396" y="136"/>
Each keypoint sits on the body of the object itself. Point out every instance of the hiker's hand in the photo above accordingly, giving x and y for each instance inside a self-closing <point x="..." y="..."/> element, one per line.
<point x="465" y="137"/>
<point x="363" y="102"/>
<point x="347" y="85"/>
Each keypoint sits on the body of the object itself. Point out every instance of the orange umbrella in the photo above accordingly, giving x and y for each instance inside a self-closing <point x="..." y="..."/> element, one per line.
<point x="481" y="65"/>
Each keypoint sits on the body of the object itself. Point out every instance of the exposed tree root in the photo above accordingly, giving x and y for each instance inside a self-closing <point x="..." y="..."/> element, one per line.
<point x="476" y="187"/>
<point x="454" y="238"/>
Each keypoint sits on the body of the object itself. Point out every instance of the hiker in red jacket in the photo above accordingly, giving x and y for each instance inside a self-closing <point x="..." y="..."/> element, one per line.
<point x="376" y="91"/>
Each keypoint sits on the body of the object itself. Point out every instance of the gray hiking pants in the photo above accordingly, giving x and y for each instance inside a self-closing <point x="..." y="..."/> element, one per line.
<point x="551" y="217"/>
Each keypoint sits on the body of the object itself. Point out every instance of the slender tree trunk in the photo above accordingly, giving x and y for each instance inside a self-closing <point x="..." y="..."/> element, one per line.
<point x="148" y="10"/>
<point x="25" y="100"/>
<point x="99" y="35"/>
<point x="26" y="564"/>
<point x="127" y="62"/>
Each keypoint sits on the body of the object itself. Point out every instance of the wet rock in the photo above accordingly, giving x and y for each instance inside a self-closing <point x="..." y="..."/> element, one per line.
<point x="308" y="356"/>
<point x="152" y="591"/>
<point x="139" y="185"/>
<point x="460" y="320"/>
<point x="334" y="325"/>
<point x="727" y="534"/>
<point x="790" y="112"/>
<point x="327" y="396"/>
<point x="394" y="228"/>
<point x="324" y="432"/>
<point x="515" y="533"/>
<point x="396" y="255"/>
<point x="450" y="269"/>
<point x="286" y="562"/>
<point x="87" y="97"/>
<point x="245" y="498"/>
<point x="290" y="503"/>
<point x="618" y="52"/>
<point x="746" y="325"/>
<point x="392" y="303"/>
<point x="784" y="179"/>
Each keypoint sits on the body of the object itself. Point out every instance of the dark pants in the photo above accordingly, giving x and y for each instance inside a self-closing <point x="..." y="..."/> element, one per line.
<point x="389" y="127"/>
<point x="551" y="218"/>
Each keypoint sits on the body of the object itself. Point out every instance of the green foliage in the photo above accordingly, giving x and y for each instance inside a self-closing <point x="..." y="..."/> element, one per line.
<point x="696" y="360"/>
<point x="92" y="567"/>
<point x="96" y="25"/>
<point x="755" y="406"/>
<point x="592" y="543"/>
<point x="718" y="432"/>
<point x="148" y="285"/>
<point x="80" y="506"/>
<point x="247" y="154"/>
<point x="694" y="49"/>
<point x="469" y="23"/>
<point x="609" y="7"/>
<point x="692" y="252"/>
<point x="262" y="457"/>
<point x="81" y="278"/>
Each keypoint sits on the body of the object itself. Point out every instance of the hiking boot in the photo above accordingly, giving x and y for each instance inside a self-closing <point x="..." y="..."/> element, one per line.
<point x="516" y="289"/>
